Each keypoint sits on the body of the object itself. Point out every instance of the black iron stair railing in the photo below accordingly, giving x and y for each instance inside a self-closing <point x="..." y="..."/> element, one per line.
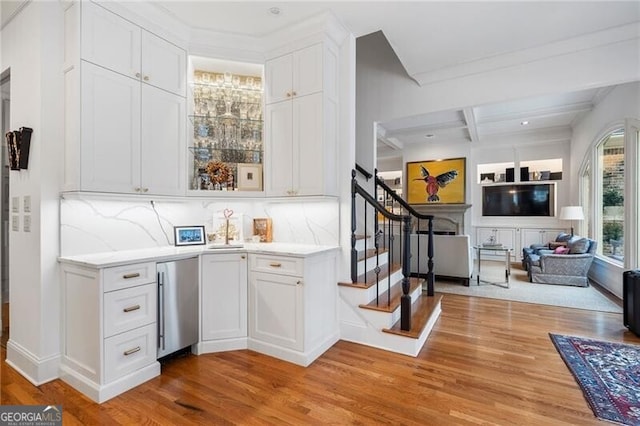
<point x="384" y="238"/>
<point x="396" y="203"/>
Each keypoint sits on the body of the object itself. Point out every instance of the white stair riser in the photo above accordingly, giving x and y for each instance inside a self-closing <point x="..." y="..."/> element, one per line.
<point x="370" y="263"/>
<point x="381" y="319"/>
<point x="367" y="335"/>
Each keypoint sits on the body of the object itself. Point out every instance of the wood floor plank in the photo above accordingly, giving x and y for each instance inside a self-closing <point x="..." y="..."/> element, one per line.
<point x="486" y="361"/>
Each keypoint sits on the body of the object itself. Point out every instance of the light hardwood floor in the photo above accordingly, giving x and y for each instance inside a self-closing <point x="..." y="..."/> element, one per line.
<point x="486" y="362"/>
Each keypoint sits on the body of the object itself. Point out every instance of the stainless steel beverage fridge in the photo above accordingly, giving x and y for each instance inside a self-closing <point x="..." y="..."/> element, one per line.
<point x="177" y="305"/>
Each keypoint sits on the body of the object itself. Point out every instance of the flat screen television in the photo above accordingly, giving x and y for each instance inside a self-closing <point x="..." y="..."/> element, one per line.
<point x="518" y="200"/>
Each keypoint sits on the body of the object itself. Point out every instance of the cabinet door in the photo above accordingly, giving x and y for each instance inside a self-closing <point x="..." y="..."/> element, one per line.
<point x="279" y="149"/>
<point x="163" y="142"/>
<point x="163" y="64"/>
<point x="279" y="76"/>
<point x="276" y="310"/>
<point x="223" y="305"/>
<point x="530" y="236"/>
<point x="307" y="71"/>
<point x="110" y="131"/>
<point x="308" y="166"/>
<point x="110" y="41"/>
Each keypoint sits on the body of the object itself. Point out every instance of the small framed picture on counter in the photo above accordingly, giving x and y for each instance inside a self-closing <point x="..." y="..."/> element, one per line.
<point x="189" y="235"/>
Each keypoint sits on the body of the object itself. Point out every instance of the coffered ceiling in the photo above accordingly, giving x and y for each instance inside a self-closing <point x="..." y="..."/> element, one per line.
<point x="554" y="113"/>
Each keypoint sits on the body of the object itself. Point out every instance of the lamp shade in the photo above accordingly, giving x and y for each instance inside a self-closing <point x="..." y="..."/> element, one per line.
<point x="571" y="213"/>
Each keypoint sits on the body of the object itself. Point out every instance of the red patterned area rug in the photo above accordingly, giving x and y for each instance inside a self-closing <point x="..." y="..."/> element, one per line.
<point x="608" y="373"/>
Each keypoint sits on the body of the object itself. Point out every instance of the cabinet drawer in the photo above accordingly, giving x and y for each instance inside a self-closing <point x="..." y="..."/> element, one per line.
<point x="277" y="264"/>
<point x="130" y="351"/>
<point x="130" y="308"/>
<point x="126" y="276"/>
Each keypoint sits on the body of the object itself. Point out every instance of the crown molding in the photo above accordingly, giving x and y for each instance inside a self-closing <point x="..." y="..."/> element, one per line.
<point x="572" y="45"/>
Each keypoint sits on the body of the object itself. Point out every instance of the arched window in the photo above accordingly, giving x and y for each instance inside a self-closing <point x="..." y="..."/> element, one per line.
<point x="609" y="223"/>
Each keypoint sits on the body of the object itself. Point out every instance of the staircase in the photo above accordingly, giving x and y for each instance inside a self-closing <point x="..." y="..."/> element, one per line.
<point x="383" y="306"/>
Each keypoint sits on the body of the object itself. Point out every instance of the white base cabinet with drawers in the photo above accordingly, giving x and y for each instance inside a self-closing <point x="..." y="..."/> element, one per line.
<point x="223" y="303"/>
<point x="293" y="306"/>
<point x="109" y="328"/>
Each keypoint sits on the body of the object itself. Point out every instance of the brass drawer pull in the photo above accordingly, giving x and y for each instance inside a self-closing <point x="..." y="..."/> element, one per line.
<point x="132" y="351"/>
<point x="131" y="308"/>
<point x="133" y="275"/>
<point x="275" y="265"/>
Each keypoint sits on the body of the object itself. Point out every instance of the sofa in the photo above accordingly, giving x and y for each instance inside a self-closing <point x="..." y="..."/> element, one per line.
<point x="564" y="265"/>
<point x="452" y="256"/>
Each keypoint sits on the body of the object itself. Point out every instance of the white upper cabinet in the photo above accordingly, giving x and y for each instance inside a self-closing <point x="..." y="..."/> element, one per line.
<point x="110" y="131"/>
<point x="163" y="142"/>
<point x="125" y="106"/>
<point x="296" y="74"/>
<point x="163" y="64"/>
<point x="121" y="46"/>
<point x="301" y="121"/>
<point x="110" y="41"/>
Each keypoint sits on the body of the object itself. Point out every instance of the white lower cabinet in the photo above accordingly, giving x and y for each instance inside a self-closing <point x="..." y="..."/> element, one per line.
<point x="293" y="306"/>
<point x="109" y="328"/>
<point x="530" y="236"/>
<point x="277" y="307"/>
<point x="223" y="302"/>
<point x="504" y="236"/>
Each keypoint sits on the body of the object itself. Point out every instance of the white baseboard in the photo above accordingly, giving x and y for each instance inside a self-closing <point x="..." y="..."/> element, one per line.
<point x="34" y="369"/>
<point x="300" y="358"/>
<point x="211" y="346"/>
<point x="102" y="393"/>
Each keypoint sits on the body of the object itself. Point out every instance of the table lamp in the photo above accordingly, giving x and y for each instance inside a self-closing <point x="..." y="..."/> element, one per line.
<point x="571" y="213"/>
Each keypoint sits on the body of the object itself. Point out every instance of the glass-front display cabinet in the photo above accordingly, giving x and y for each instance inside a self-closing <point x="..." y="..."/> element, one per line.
<point x="226" y="150"/>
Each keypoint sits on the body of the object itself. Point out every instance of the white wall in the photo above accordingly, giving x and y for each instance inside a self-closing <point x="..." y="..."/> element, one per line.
<point x="32" y="49"/>
<point x="623" y="102"/>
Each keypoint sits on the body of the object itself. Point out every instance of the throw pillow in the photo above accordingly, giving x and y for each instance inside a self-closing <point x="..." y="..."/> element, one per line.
<point x="561" y="250"/>
<point x="563" y="237"/>
<point x="579" y="246"/>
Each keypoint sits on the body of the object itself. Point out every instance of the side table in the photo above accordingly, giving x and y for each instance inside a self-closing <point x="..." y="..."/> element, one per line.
<point x="494" y="250"/>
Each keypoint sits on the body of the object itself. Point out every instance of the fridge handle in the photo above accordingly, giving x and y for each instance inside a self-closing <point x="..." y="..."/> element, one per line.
<point x="161" y="309"/>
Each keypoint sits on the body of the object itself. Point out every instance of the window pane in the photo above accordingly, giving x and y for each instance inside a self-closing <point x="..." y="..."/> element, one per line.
<point x="611" y="153"/>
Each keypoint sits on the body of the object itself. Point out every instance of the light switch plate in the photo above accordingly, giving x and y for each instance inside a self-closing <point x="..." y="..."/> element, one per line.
<point x="26" y="206"/>
<point x="15" y="204"/>
<point x="15" y="223"/>
<point x="26" y="226"/>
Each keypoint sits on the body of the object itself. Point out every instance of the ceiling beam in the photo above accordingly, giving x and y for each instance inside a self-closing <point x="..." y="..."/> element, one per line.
<point x="538" y="113"/>
<point x="472" y="128"/>
<point x="428" y="128"/>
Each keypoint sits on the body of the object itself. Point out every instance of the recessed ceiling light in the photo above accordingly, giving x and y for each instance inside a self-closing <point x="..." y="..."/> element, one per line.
<point x="275" y="11"/>
<point x="524" y="123"/>
<point x="429" y="135"/>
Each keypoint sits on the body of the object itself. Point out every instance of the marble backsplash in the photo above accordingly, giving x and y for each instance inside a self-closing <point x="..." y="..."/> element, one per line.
<point x="100" y="225"/>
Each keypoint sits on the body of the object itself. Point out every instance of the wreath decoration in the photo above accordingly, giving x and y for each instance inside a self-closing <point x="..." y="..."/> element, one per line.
<point x="218" y="172"/>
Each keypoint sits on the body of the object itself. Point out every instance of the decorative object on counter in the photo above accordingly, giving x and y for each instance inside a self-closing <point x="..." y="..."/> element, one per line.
<point x="18" y="145"/>
<point x="263" y="227"/>
<point x="188" y="235"/>
<point x="227" y="214"/>
<point x="211" y="237"/>
<point x="249" y="177"/>
<point x="228" y="227"/>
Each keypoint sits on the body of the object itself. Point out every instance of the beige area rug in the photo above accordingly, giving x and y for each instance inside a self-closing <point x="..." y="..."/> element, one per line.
<point x="521" y="290"/>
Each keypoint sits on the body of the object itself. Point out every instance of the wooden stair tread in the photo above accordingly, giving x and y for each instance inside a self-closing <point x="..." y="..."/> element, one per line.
<point x="361" y="237"/>
<point x="421" y="312"/>
<point x="396" y="295"/>
<point x="385" y="271"/>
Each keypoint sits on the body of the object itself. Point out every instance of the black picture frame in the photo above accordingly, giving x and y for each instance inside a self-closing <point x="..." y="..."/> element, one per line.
<point x="189" y="235"/>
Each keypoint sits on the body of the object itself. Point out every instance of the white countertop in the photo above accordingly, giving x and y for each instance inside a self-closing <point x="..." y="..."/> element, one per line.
<point x="161" y="254"/>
